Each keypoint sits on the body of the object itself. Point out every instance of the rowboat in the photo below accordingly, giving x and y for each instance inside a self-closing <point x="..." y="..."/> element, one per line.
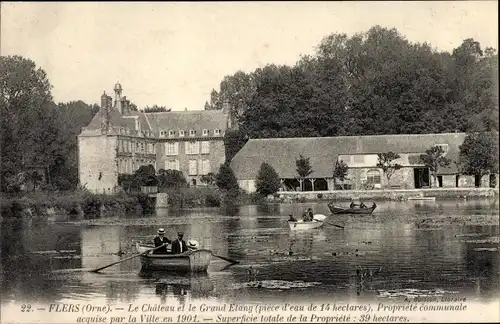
<point x="301" y="225"/>
<point x="357" y="210"/>
<point x="190" y="261"/>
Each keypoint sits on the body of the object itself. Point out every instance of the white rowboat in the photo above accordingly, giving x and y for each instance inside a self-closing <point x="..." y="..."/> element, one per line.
<point x="301" y="225"/>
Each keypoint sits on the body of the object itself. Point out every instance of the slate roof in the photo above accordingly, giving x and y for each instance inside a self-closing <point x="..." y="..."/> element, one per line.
<point x="188" y="120"/>
<point x="116" y="119"/>
<point x="281" y="153"/>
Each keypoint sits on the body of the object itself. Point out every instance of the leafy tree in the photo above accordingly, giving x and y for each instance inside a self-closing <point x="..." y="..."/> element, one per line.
<point x="386" y="163"/>
<point x="234" y="140"/>
<point x="434" y="159"/>
<point x="304" y="169"/>
<point x="26" y="127"/>
<point x="171" y="179"/>
<point x="268" y="181"/>
<point x="479" y="155"/>
<point x="225" y="179"/>
<point x="340" y="171"/>
<point x="208" y="178"/>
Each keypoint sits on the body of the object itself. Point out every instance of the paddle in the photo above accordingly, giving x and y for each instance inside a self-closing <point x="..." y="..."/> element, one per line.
<point x="321" y="218"/>
<point x="123" y="260"/>
<point x="219" y="256"/>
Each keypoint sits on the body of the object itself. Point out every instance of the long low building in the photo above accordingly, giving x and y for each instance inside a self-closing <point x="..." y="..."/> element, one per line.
<point x="360" y="153"/>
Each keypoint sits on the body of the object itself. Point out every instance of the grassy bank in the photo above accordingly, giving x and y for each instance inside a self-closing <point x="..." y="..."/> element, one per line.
<point x="76" y="204"/>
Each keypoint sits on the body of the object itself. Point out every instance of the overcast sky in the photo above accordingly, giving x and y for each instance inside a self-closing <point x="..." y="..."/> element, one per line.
<point x="173" y="54"/>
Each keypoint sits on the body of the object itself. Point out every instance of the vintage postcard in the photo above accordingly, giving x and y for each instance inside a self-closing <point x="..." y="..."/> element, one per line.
<point x="249" y="162"/>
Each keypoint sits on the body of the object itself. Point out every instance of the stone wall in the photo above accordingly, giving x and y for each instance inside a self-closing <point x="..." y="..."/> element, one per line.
<point x="399" y="194"/>
<point x="97" y="164"/>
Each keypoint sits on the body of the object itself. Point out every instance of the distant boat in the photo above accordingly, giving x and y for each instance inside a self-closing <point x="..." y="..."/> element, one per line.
<point x="191" y="261"/>
<point x="422" y="198"/>
<point x="301" y="225"/>
<point x="357" y="210"/>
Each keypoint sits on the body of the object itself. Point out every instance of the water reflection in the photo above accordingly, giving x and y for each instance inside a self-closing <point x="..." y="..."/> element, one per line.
<point x="408" y="245"/>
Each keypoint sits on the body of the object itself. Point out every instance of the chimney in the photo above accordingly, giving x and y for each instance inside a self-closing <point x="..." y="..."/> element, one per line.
<point x="104" y="112"/>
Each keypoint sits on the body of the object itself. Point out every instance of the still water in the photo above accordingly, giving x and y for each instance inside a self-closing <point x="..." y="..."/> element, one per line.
<point x="442" y="247"/>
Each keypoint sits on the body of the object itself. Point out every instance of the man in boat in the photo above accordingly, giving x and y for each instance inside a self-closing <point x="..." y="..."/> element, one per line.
<point x="291" y="218"/>
<point x="308" y="215"/>
<point x="179" y="245"/>
<point x="362" y="205"/>
<point x="159" y="240"/>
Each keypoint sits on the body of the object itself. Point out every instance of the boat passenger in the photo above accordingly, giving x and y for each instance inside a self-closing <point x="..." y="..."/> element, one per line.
<point x="291" y="218"/>
<point x="305" y="217"/>
<point x="179" y="245"/>
<point x="362" y="205"/>
<point x="159" y="240"/>
<point x="310" y="215"/>
<point x="374" y="205"/>
<point x="352" y="205"/>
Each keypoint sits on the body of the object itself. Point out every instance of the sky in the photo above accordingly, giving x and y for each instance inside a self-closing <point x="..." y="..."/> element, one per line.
<point x="173" y="53"/>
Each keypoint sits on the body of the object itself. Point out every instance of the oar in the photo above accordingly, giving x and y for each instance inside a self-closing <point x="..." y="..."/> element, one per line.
<point x="331" y="224"/>
<point x="226" y="259"/>
<point x="219" y="256"/>
<point x="123" y="260"/>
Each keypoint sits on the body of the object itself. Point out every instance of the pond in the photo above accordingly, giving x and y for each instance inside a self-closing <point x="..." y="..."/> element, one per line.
<point x="404" y="248"/>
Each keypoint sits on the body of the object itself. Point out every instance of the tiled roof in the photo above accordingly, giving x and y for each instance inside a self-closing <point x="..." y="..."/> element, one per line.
<point x="196" y="120"/>
<point x="281" y="153"/>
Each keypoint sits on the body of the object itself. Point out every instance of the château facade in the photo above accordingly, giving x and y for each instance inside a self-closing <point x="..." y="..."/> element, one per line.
<point x="119" y="140"/>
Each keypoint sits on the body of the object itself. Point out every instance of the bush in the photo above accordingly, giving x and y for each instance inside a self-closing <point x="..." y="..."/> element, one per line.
<point x="268" y="181"/>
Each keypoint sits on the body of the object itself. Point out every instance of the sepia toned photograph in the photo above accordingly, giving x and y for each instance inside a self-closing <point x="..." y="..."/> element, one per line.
<point x="249" y="162"/>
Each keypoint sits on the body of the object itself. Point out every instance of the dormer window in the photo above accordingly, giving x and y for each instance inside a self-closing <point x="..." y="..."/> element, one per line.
<point x="192" y="132"/>
<point x="205" y="132"/>
<point x="162" y="134"/>
<point x="216" y="132"/>
<point x="181" y="132"/>
<point x="171" y="133"/>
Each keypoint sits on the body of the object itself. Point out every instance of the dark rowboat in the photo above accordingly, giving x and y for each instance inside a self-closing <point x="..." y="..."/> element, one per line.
<point x="191" y="261"/>
<point x="357" y="210"/>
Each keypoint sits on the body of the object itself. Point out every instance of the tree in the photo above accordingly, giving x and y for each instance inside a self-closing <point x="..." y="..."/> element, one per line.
<point x="303" y="169"/>
<point x="434" y="159"/>
<point x="26" y="125"/>
<point x="340" y="171"/>
<point x="479" y="155"/>
<point x="234" y="140"/>
<point x="171" y="179"/>
<point x="225" y="179"/>
<point x="386" y="163"/>
<point x="268" y="181"/>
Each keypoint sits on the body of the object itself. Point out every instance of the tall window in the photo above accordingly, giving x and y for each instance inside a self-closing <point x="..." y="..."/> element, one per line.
<point x="171" y="148"/>
<point x="172" y="165"/>
<point x="204" y="167"/>
<point x="181" y="133"/>
<point x="205" y="147"/>
<point x="192" y="147"/>
<point x="205" y="132"/>
<point x="192" y="167"/>
<point x="373" y="176"/>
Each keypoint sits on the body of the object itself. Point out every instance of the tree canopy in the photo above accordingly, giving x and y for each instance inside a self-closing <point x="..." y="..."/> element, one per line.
<point x="376" y="82"/>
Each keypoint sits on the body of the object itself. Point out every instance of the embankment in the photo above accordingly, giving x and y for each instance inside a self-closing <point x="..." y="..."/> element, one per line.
<point x="74" y="205"/>
<point x="384" y="194"/>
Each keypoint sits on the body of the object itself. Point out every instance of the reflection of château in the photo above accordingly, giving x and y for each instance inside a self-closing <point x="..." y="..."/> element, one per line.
<point x="119" y="140"/>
